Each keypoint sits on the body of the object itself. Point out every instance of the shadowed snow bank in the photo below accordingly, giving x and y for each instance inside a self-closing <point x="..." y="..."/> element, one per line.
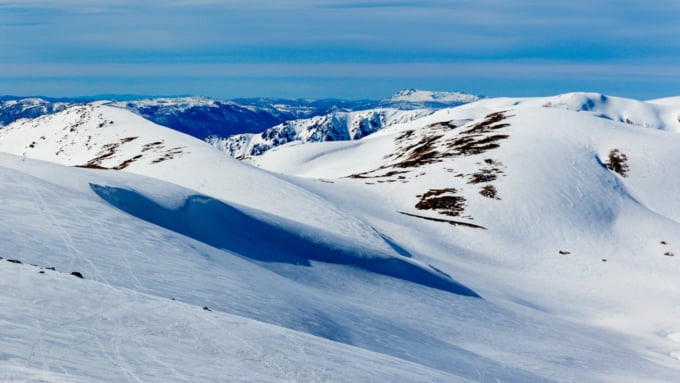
<point x="220" y="225"/>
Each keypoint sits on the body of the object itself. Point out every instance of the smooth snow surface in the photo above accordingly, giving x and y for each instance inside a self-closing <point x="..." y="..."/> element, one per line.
<point x="512" y="240"/>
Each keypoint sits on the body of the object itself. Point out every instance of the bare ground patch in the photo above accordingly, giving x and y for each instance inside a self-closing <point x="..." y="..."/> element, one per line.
<point x="617" y="162"/>
<point x="435" y="143"/>
<point x="443" y="201"/>
<point x="449" y="221"/>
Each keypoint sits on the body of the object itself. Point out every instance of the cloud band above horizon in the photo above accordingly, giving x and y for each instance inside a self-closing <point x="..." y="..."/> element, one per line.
<point x="377" y="47"/>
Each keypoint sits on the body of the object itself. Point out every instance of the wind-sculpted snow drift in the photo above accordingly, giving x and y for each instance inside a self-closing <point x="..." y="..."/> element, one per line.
<point x="217" y="224"/>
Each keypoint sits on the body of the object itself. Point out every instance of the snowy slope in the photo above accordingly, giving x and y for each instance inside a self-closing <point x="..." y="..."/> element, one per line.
<point x="527" y="190"/>
<point x="336" y="126"/>
<point x="140" y="313"/>
<point x="561" y="269"/>
<point x="101" y="137"/>
<point x="106" y="138"/>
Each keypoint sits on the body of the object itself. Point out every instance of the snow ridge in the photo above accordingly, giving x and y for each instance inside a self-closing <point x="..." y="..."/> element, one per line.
<point x="632" y="112"/>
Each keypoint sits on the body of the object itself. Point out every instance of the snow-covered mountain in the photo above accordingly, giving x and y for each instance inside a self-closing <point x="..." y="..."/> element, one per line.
<point x="97" y="136"/>
<point x="418" y="99"/>
<point x="518" y="240"/>
<point x="335" y="126"/>
<point x="341" y="125"/>
<point x="569" y="200"/>
<point x="13" y="108"/>
<point x="197" y="116"/>
<point x="203" y="117"/>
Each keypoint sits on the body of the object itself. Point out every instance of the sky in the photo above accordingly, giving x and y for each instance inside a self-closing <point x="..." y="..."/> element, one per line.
<point x="339" y="48"/>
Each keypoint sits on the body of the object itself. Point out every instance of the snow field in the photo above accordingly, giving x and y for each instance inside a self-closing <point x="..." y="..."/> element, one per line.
<point x="576" y="265"/>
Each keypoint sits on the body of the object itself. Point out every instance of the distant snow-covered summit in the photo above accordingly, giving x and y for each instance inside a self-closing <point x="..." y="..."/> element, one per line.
<point x="13" y="108"/>
<point x="412" y="98"/>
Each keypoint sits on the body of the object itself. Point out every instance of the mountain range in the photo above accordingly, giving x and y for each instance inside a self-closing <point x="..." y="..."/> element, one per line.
<point x="502" y="239"/>
<point x="202" y="117"/>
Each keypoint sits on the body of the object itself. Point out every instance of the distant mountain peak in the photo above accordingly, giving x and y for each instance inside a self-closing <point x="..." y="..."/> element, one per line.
<point x="405" y="92"/>
<point x="420" y="96"/>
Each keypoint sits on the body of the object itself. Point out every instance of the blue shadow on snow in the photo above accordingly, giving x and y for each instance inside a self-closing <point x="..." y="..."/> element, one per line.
<point x="217" y="224"/>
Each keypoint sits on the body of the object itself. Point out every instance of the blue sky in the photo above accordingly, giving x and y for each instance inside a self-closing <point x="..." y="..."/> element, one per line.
<point x="339" y="48"/>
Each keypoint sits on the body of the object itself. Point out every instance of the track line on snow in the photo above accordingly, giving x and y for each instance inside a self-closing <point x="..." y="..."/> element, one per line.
<point x="178" y="376"/>
<point x="126" y="263"/>
<point x="66" y="237"/>
<point x="111" y="351"/>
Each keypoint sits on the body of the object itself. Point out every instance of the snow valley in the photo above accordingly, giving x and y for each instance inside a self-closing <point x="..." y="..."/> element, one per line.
<point x="423" y="238"/>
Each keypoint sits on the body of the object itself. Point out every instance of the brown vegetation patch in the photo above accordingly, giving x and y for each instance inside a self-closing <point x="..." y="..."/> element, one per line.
<point x="404" y="136"/>
<point x="489" y="191"/>
<point x="434" y="143"/>
<point x="482" y="176"/>
<point x="91" y="166"/>
<point x="490" y="123"/>
<point x="153" y="145"/>
<point x="127" y="162"/>
<point x="617" y="162"/>
<point x="443" y="124"/>
<point x="473" y="145"/>
<point x="432" y="148"/>
<point x="170" y="154"/>
<point x="370" y="174"/>
<point x="421" y="153"/>
<point x="107" y="151"/>
<point x="450" y="222"/>
<point x="443" y="201"/>
<point x="488" y="172"/>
